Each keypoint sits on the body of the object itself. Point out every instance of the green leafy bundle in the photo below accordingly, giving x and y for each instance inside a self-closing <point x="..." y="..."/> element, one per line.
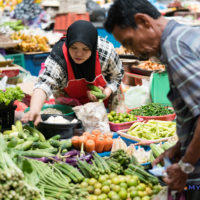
<point x="153" y="109"/>
<point x="11" y="94"/>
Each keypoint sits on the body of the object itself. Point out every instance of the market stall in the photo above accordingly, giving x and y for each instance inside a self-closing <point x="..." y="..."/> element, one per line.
<point x="83" y="151"/>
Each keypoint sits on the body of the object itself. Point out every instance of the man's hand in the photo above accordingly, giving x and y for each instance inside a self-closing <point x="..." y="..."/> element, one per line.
<point x="176" y="178"/>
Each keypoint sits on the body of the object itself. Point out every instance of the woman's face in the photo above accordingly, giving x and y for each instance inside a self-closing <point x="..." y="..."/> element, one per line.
<point x="79" y="52"/>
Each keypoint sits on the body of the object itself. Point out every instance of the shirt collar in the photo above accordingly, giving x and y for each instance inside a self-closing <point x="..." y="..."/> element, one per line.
<point x="167" y="31"/>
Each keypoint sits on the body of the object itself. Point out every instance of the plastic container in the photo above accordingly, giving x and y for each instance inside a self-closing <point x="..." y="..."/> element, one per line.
<point x="18" y="59"/>
<point x="170" y="117"/>
<point x="34" y="61"/>
<point x="50" y="129"/>
<point x="160" y="88"/>
<point x="65" y="109"/>
<point x="63" y="21"/>
<point x="7" y="116"/>
<point x="124" y="125"/>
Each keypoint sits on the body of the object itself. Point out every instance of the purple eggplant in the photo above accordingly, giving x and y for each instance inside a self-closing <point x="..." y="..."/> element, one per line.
<point x="72" y="153"/>
<point x="87" y="157"/>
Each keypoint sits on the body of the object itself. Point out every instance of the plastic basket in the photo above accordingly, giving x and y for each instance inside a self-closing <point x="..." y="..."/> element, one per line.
<point x="63" y="21"/>
<point x="34" y="61"/>
<point x="160" y="88"/>
<point x="124" y="125"/>
<point x="169" y="117"/>
<point x="18" y="59"/>
<point x="66" y="110"/>
<point x="7" y="116"/>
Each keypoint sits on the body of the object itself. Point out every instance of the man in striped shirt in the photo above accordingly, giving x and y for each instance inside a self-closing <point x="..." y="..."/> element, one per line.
<point x="140" y="27"/>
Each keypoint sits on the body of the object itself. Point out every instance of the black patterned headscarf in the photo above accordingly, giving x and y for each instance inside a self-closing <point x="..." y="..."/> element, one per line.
<point x="84" y="32"/>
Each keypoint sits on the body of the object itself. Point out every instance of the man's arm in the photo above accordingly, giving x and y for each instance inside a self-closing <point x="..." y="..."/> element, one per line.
<point x="192" y="154"/>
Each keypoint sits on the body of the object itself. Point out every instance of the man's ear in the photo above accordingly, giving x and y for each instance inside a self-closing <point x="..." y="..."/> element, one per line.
<point x="142" y="20"/>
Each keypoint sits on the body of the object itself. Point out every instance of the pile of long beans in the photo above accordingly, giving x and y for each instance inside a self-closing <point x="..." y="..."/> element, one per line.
<point x="12" y="183"/>
<point x="55" y="185"/>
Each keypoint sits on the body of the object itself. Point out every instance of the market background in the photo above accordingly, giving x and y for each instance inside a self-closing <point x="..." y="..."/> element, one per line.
<point x="26" y="39"/>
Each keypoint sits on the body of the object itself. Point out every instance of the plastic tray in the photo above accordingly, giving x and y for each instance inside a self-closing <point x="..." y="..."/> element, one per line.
<point x="124" y="125"/>
<point x="123" y="134"/>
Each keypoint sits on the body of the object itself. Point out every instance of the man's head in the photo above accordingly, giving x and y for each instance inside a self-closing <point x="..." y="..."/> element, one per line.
<point x="137" y="25"/>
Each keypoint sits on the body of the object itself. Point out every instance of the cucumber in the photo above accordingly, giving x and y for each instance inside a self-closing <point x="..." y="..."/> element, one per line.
<point x="35" y="132"/>
<point x="98" y="95"/>
<point x="55" y="137"/>
<point x="13" y="142"/>
<point x="19" y="126"/>
<point x="66" y="143"/>
<point x="94" y="88"/>
<point x="24" y="146"/>
<point x="54" y="143"/>
<point x="41" y="145"/>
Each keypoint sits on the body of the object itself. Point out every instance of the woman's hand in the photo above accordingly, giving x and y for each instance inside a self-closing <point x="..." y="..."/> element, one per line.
<point x="32" y="116"/>
<point x="107" y="91"/>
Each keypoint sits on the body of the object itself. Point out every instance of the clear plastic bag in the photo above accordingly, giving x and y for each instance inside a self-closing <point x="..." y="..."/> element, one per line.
<point x="93" y="116"/>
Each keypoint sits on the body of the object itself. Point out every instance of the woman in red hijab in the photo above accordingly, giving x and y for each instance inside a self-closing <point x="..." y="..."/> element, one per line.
<point x="77" y="60"/>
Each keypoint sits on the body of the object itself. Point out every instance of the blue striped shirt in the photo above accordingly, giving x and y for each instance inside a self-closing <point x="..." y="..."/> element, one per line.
<point x="180" y="52"/>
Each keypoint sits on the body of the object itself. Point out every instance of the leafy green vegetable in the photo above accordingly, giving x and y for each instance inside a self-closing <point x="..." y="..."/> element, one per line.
<point x="152" y="109"/>
<point x="11" y="94"/>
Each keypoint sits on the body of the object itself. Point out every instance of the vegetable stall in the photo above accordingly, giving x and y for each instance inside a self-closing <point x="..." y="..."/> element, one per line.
<point x="94" y="165"/>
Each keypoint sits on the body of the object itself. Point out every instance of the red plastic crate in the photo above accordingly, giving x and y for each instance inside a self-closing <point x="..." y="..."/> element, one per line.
<point x="125" y="125"/>
<point x="63" y="21"/>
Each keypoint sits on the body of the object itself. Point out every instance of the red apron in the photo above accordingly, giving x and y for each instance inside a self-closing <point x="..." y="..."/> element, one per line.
<point x="77" y="88"/>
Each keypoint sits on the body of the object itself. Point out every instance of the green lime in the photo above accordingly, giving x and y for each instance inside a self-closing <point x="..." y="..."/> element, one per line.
<point x="123" y="194"/>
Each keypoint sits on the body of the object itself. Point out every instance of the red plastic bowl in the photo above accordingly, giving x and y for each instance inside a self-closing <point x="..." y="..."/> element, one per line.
<point x="169" y="117"/>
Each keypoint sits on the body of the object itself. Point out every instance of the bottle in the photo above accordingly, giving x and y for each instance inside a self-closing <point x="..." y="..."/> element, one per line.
<point x="42" y="68"/>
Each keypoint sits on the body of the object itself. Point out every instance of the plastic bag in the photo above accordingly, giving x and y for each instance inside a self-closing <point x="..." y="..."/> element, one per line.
<point x="117" y="102"/>
<point x="93" y="116"/>
<point x="167" y="194"/>
<point x="137" y="96"/>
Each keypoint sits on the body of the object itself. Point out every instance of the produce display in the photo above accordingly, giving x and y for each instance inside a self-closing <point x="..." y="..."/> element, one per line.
<point x="60" y="120"/>
<point x="122" y="50"/>
<point x="153" y="109"/>
<point x="94" y="141"/>
<point x="10" y="94"/>
<point x="51" y="111"/>
<point x="15" y="25"/>
<point x="121" y="117"/>
<point x="153" y="129"/>
<point x="30" y="142"/>
<point x="31" y="43"/>
<point x="151" y="66"/>
<point x="119" y="187"/>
